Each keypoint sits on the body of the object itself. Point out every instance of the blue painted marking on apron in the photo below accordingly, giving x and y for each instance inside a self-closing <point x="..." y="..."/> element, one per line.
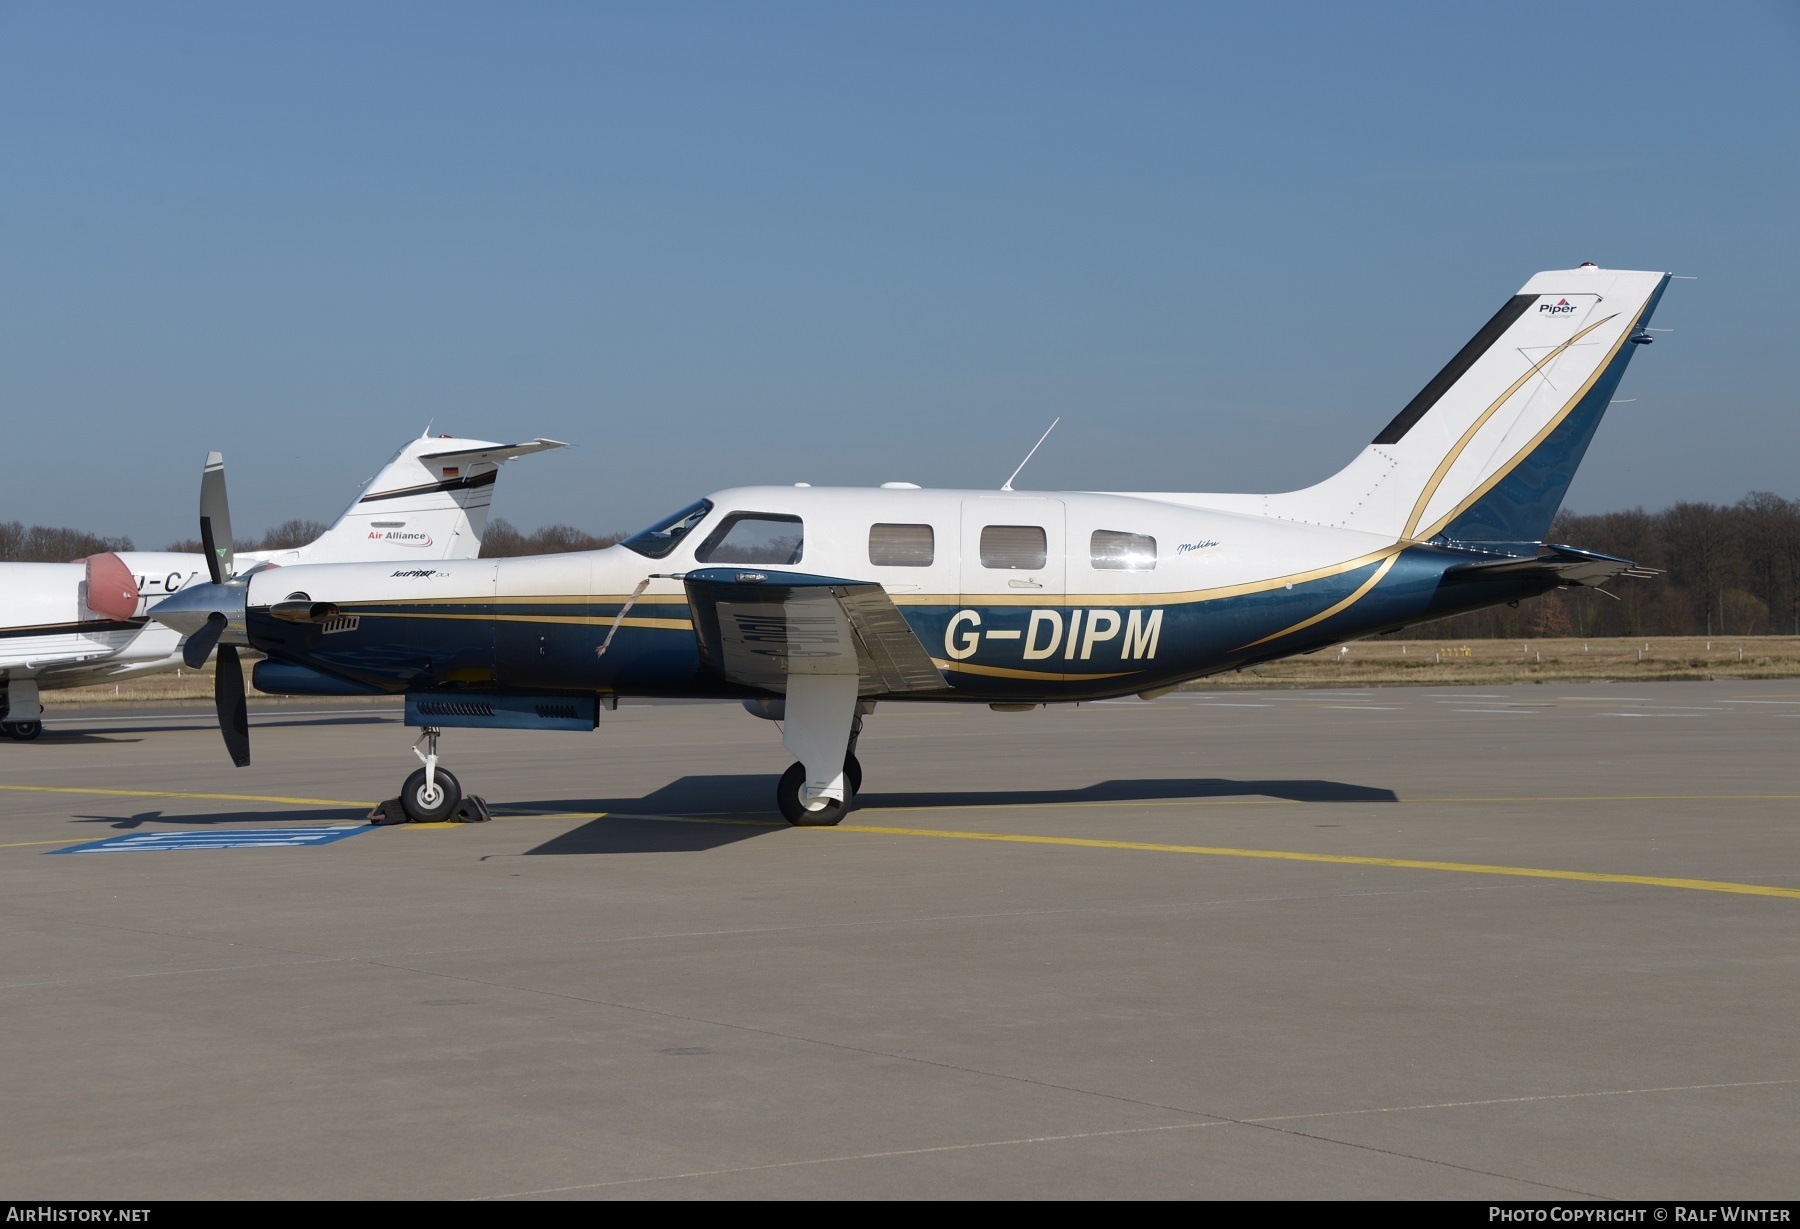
<point x="228" y="838"/>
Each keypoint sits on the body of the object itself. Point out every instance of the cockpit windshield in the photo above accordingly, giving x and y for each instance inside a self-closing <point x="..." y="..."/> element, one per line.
<point x="662" y="537"/>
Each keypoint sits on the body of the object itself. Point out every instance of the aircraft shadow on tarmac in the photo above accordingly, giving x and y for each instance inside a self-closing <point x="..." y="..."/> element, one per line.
<point x="1147" y="789"/>
<point x="715" y="804"/>
<point x="715" y="812"/>
<point x="715" y="808"/>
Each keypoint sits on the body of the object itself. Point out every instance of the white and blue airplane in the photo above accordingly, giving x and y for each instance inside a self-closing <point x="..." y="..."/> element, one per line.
<point x="76" y="624"/>
<point x="812" y="605"/>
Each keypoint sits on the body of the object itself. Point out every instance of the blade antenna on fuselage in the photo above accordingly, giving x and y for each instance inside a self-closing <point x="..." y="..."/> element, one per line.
<point x="1007" y="485"/>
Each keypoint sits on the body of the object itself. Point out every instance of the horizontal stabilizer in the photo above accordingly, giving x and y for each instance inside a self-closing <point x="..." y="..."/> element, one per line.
<point x="492" y="454"/>
<point x="757" y="628"/>
<point x="1563" y="566"/>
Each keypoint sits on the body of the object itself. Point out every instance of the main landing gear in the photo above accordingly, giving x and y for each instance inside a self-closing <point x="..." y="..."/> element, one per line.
<point x="20" y="710"/>
<point x="431" y="794"/>
<point x="821" y="727"/>
<point x="787" y="791"/>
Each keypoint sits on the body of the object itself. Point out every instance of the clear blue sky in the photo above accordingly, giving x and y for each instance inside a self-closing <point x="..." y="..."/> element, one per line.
<point x="726" y="243"/>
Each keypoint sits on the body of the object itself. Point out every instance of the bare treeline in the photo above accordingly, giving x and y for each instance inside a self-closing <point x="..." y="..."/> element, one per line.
<point x="503" y="540"/>
<point x="43" y="544"/>
<point x="1731" y="570"/>
<point x="284" y="536"/>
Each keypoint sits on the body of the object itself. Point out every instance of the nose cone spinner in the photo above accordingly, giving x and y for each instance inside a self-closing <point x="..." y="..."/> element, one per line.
<point x="189" y="610"/>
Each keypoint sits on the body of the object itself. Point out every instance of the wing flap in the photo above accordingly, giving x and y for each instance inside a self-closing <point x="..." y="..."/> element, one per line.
<point x="757" y="628"/>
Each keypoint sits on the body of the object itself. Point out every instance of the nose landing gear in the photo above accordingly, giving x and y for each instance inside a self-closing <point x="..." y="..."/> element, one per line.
<point x="431" y="794"/>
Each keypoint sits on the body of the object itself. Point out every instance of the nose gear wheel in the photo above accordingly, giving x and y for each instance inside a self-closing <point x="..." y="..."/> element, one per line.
<point x="425" y="804"/>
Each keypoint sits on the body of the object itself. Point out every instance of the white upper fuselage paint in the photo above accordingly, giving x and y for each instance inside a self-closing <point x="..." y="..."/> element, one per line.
<point x="1195" y="549"/>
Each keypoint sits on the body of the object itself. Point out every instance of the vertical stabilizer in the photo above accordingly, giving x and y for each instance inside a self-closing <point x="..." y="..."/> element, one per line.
<point x="1487" y="449"/>
<point x="429" y="503"/>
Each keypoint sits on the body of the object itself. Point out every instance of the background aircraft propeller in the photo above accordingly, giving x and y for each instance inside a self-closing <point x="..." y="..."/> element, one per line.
<point x="228" y="672"/>
<point x="215" y="520"/>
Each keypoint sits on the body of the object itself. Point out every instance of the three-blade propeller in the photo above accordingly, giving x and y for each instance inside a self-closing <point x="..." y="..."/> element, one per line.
<point x="204" y="613"/>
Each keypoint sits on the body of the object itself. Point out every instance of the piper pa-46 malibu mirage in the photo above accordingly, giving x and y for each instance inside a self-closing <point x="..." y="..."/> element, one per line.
<point x="812" y="604"/>
<point x="72" y="624"/>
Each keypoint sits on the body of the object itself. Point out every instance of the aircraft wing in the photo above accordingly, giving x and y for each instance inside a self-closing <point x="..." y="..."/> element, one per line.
<point x="1564" y="565"/>
<point x="20" y="655"/>
<point x="494" y="455"/>
<point x="758" y="627"/>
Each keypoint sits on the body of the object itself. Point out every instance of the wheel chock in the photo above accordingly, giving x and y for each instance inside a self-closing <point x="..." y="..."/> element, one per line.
<point x="388" y="812"/>
<point x="473" y="809"/>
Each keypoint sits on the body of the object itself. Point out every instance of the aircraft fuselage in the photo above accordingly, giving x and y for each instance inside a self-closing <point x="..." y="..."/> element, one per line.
<point x="1016" y="596"/>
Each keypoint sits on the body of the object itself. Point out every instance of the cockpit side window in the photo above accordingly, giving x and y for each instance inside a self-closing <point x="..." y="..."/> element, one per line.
<point x="657" y="541"/>
<point x="754" y="537"/>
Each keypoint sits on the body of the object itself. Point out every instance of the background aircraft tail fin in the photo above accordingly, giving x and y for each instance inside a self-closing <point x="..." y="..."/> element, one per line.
<point x="429" y="503"/>
<point x="1487" y="449"/>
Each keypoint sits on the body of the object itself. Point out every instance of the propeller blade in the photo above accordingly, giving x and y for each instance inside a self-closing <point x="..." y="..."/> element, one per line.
<point x="195" y="648"/>
<point x="228" y="699"/>
<point x="215" y="520"/>
<point x="111" y="588"/>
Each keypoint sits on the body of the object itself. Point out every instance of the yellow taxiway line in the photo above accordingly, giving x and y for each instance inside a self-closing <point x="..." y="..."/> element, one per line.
<point x="1216" y="851"/>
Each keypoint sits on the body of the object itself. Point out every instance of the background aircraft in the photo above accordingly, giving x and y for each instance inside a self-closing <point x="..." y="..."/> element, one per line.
<point x="811" y="604"/>
<point x="72" y="624"/>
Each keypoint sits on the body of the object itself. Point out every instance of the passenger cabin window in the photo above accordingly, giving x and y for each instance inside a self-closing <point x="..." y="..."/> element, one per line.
<point x="754" y="537"/>
<point x="1014" y="547"/>
<point x="901" y="546"/>
<point x="1112" y="551"/>
<point x="662" y="537"/>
